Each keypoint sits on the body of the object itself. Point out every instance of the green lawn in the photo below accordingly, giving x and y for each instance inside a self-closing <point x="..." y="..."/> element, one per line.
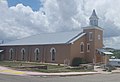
<point x="50" y="67"/>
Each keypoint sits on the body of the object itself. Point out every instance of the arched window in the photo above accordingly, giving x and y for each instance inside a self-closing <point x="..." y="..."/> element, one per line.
<point x="37" y="54"/>
<point x="53" y="53"/>
<point x="23" y="54"/>
<point x="11" y="54"/>
<point x="82" y="47"/>
<point x="88" y="47"/>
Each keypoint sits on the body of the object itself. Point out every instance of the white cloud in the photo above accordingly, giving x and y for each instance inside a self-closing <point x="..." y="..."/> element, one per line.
<point x="59" y="15"/>
<point x="20" y="21"/>
<point x="112" y="42"/>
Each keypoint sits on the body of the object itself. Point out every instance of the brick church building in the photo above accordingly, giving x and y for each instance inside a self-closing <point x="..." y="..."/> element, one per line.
<point x="61" y="47"/>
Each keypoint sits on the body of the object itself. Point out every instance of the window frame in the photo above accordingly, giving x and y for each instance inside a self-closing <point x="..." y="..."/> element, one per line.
<point x="99" y="37"/>
<point x="23" y="55"/>
<point x="82" y="47"/>
<point x="37" y="55"/>
<point x="11" y="54"/>
<point x="53" y="57"/>
<point x="88" y="48"/>
<point x="90" y="36"/>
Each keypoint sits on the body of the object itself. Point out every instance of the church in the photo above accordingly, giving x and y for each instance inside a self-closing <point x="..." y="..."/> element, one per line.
<point x="60" y="47"/>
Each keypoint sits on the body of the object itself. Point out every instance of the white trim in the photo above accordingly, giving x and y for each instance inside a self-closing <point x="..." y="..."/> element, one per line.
<point x="52" y="54"/>
<point x="52" y="49"/>
<point x="82" y="43"/>
<point x="36" y="49"/>
<point x="22" y="49"/>
<point x="90" y="36"/>
<point x="99" y="37"/>
<point x="93" y="27"/>
<point x="81" y="35"/>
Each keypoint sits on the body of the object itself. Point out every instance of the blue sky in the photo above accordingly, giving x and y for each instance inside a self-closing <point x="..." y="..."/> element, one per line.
<point x="34" y="4"/>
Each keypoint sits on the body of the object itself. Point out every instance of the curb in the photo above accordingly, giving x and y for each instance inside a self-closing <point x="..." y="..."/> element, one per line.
<point x="62" y="75"/>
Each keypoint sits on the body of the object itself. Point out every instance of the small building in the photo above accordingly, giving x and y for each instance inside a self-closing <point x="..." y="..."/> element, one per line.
<point x="114" y="62"/>
<point x="61" y="47"/>
<point x="105" y="53"/>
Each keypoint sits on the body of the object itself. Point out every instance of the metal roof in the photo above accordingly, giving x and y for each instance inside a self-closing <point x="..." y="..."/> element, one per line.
<point x="48" y="38"/>
<point x="104" y="51"/>
<point x="108" y="53"/>
<point x="118" y="60"/>
<point x="1" y="50"/>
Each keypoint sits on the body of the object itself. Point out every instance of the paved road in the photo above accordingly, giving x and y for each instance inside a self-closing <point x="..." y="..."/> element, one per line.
<point x="86" y="78"/>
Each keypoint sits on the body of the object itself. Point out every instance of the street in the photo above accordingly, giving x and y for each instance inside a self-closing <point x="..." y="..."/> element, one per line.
<point x="85" y="78"/>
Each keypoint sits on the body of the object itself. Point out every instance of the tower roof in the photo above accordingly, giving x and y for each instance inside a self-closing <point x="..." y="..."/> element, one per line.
<point x="94" y="15"/>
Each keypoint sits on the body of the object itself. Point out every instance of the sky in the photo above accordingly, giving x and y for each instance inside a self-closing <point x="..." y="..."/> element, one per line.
<point x="34" y="4"/>
<point x="22" y="18"/>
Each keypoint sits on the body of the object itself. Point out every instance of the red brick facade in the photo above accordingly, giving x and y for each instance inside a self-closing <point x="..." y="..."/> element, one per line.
<point x="63" y="52"/>
<point x="84" y="47"/>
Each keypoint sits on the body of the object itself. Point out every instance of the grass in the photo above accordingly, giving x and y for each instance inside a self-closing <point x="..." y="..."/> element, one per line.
<point x="50" y="67"/>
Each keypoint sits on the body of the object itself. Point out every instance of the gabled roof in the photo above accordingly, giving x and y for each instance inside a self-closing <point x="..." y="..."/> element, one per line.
<point x="48" y="38"/>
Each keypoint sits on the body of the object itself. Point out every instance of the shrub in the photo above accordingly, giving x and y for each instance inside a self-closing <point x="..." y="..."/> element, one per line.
<point x="77" y="61"/>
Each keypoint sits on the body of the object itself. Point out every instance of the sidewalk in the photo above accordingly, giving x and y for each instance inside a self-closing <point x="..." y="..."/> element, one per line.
<point x="116" y="71"/>
<point x="5" y="70"/>
<point x="99" y="70"/>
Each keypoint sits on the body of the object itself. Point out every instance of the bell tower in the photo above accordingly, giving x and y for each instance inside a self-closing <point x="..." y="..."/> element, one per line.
<point x="94" y="38"/>
<point x="93" y="19"/>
